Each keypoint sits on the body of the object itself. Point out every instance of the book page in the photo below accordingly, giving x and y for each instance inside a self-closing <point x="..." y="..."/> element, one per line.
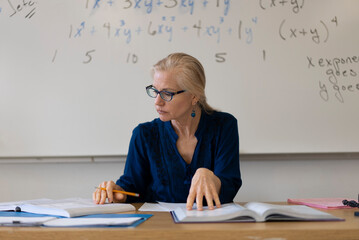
<point x="288" y="212"/>
<point x="259" y="208"/>
<point x="227" y="212"/>
<point x="10" y="206"/>
<point x="73" y="207"/>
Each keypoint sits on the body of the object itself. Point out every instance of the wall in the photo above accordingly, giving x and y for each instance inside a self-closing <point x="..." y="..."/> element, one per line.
<point x="273" y="178"/>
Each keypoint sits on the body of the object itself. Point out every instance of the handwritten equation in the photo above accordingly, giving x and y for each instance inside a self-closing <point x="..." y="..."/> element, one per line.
<point x="217" y="23"/>
<point x="318" y="33"/>
<point x="149" y="6"/>
<point x="294" y="5"/>
<point x="167" y="27"/>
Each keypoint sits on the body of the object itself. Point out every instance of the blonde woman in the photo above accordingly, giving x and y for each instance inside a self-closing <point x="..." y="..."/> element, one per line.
<point x="189" y="154"/>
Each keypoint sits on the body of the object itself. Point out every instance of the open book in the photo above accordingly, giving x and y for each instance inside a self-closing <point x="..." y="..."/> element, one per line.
<point x="71" y="207"/>
<point x="252" y="212"/>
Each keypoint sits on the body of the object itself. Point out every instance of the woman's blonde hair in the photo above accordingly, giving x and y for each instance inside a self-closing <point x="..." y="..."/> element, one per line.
<point x="189" y="74"/>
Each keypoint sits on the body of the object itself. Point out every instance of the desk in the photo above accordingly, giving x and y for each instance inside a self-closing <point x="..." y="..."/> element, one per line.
<point x="161" y="226"/>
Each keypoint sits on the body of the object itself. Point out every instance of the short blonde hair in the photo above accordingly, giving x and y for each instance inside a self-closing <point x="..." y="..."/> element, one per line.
<point x="189" y="74"/>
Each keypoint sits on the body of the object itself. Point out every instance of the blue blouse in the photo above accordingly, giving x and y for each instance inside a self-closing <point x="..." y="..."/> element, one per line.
<point x="155" y="169"/>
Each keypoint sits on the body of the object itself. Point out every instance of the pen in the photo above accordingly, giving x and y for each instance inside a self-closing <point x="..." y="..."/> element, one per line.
<point x="123" y="192"/>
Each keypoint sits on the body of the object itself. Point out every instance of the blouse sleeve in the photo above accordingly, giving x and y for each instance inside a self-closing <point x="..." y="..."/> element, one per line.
<point x="136" y="173"/>
<point x="226" y="165"/>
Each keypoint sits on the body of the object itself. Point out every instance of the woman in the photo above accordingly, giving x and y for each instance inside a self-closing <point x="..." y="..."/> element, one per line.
<point x="189" y="154"/>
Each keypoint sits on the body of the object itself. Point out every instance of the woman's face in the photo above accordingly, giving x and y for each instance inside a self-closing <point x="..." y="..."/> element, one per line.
<point x="180" y="107"/>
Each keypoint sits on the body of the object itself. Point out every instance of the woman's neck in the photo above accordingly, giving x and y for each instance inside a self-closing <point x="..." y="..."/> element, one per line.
<point x="187" y="127"/>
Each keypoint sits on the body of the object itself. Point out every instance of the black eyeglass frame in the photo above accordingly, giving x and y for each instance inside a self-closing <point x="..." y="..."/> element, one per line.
<point x="168" y="93"/>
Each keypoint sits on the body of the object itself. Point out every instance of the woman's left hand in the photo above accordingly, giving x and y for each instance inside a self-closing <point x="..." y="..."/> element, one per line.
<point x="204" y="184"/>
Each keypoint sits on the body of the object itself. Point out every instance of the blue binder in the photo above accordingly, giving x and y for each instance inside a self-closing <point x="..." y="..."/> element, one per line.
<point x="143" y="217"/>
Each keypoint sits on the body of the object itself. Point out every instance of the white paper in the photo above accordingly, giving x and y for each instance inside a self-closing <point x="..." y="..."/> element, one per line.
<point x="173" y="206"/>
<point x="82" y="222"/>
<point x="23" y="221"/>
<point x="152" y="207"/>
<point x="161" y="206"/>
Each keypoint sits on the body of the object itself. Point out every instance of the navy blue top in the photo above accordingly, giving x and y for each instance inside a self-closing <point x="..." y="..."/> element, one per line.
<point x="155" y="169"/>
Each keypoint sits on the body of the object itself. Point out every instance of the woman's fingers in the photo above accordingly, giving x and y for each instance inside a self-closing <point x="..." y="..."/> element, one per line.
<point x="204" y="184"/>
<point x="103" y="192"/>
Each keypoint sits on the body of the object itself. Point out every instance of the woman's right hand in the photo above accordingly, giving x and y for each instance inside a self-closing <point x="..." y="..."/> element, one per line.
<point x="99" y="196"/>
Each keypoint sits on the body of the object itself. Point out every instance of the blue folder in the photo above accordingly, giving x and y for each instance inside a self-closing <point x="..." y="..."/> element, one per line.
<point x="143" y="217"/>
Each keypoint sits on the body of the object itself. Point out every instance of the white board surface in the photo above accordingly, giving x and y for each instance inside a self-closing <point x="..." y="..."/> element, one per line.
<point x="73" y="73"/>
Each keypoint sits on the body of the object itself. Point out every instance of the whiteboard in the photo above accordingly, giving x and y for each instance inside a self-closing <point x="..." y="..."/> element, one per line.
<point x="73" y="73"/>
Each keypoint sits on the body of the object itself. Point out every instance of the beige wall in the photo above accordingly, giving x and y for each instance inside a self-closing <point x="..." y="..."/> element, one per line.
<point x="265" y="178"/>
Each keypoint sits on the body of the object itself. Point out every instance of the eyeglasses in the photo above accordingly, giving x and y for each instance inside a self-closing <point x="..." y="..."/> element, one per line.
<point x="165" y="95"/>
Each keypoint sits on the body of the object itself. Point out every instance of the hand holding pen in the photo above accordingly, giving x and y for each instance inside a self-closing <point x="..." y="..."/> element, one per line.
<point x="114" y="193"/>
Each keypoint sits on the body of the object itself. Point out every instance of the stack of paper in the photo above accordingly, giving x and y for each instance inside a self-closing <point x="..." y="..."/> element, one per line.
<point x="78" y="212"/>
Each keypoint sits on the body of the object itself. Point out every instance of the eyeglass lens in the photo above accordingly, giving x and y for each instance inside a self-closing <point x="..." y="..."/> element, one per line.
<point x="164" y="95"/>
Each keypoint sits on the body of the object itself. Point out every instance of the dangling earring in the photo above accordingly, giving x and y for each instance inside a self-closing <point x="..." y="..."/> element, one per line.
<point x="193" y="114"/>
